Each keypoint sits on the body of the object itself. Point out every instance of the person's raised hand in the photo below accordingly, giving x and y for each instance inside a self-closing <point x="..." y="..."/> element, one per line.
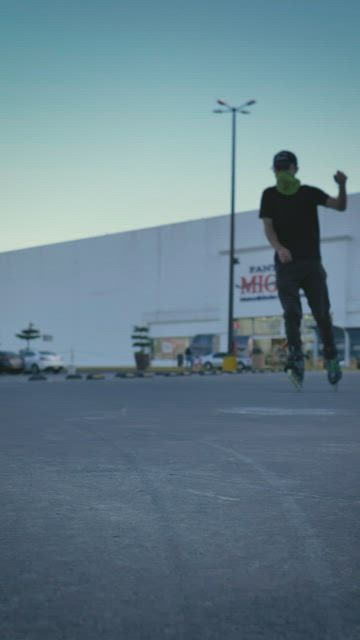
<point x="340" y="177"/>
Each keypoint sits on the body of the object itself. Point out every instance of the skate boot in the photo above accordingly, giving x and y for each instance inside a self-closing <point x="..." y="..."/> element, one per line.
<point x="334" y="372"/>
<point x="295" y="368"/>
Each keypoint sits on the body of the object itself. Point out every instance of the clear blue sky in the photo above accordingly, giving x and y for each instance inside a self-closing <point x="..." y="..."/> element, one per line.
<point x="106" y="108"/>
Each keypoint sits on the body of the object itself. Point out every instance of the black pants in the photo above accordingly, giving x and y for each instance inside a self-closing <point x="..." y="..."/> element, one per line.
<point x="310" y="276"/>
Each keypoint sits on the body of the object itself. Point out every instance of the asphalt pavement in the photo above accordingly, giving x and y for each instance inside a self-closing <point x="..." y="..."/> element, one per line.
<point x="191" y="508"/>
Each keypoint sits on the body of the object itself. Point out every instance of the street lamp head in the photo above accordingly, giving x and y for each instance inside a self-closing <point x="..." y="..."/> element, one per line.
<point x="244" y="111"/>
<point x="222" y="102"/>
<point x="250" y="102"/>
<point x="218" y="111"/>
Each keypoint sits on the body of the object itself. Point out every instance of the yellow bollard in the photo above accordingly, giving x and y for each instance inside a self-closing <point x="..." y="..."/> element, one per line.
<point x="230" y="363"/>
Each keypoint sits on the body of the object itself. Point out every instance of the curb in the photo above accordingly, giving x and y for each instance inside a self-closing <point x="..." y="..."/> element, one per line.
<point x="125" y="375"/>
<point x="37" y="376"/>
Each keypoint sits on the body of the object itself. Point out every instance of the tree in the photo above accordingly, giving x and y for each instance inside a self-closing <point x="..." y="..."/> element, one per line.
<point x="141" y="339"/>
<point x="31" y="333"/>
<point x="143" y="344"/>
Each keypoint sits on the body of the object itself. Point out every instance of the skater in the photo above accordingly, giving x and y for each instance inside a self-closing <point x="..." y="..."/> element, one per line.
<point x="291" y="225"/>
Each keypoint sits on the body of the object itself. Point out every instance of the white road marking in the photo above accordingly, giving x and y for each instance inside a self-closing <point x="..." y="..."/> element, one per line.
<point x="210" y="494"/>
<point x="277" y="411"/>
<point x="109" y="415"/>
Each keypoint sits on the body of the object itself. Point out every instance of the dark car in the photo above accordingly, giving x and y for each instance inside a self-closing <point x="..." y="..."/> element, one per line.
<point x="11" y="362"/>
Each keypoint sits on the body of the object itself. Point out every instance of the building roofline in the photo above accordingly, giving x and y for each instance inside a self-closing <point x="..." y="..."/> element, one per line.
<point x="137" y="230"/>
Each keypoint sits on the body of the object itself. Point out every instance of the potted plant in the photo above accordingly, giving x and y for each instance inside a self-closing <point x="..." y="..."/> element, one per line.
<point x="142" y="343"/>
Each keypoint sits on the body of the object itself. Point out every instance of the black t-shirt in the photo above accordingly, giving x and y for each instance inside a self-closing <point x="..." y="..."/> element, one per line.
<point x="295" y="219"/>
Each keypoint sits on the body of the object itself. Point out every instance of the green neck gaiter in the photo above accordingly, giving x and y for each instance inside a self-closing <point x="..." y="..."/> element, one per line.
<point x="286" y="183"/>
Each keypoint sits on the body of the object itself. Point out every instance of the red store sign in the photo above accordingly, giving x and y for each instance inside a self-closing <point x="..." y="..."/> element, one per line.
<point x="258" y="284"/>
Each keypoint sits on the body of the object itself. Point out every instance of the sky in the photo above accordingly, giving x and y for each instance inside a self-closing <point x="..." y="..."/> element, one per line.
<point x="107" y="120"/>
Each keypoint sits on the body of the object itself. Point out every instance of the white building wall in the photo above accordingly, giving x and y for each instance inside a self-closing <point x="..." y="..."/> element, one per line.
<point x="90" y="293"/>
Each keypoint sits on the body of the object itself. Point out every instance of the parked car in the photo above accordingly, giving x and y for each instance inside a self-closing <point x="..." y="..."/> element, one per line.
<point x="11" y="362"/>
<point x="244" y="363"/>
<point x="36" y="361"/>
<point x="215" y="361"/>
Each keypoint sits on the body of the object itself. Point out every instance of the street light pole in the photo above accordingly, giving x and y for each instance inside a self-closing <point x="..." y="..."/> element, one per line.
<point x="232" y="235"/>
<point x="232" y="261"/>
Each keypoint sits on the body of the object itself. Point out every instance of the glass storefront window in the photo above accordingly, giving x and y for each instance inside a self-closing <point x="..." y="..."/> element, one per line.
<point x="267" y="325"/>
<point x="169" y="348"/>
<point x="243" y="326"/>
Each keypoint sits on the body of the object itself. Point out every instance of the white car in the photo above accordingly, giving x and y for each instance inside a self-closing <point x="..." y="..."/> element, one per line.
<point x="215" y="361"/>
<point x="36" y="361"/>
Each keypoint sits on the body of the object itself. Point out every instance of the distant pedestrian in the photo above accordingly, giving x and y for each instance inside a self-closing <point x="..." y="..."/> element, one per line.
<point x="180" y="360"/>
<point x="189" y="358"/>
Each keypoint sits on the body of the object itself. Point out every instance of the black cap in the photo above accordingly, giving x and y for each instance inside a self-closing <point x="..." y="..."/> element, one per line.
<point x="284" y="159"/>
